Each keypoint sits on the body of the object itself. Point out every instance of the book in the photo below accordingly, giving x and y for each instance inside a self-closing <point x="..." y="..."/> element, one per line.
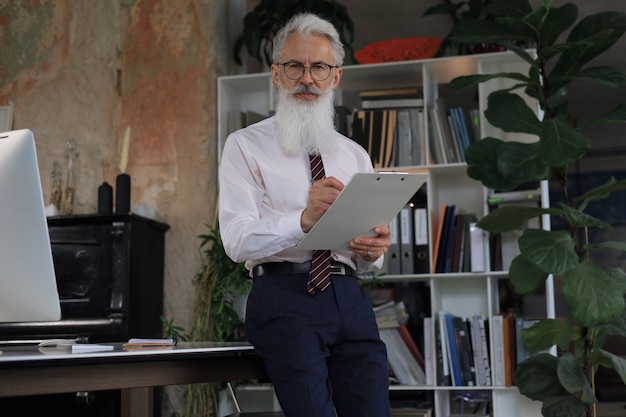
<point x="410" y="343"/>
<point x="443" y="130"/>
<point x="466" y="355"/>
<point x="477" y="248"/>
<point x="392" y="103"/>
<point x="390" y="314"/>
<point x="404" y="144"/>
<point x="459" y="231"/>
<point x="463" y="126"/>
<point x="429" y="352"/>
<point x="375" y="131"/>
<point x="445" y="239"/>
<point x="445" y="377"/>
<point x="385" y="93"/>
<point x="506" y="351"/>
<point x="456" y="137"/>
<point x="480" y="350"/>
<point x="418" y="153"/>
<point x="406" y="240"/>
<point x="401" y="362"/>
<point x="440" y="223"/>
<point x="392" y="257"/>
<point x="497" y="325"/>
<point x="511" y="343"/>
<point x="436" y="138"/>
<point x="466" y="249"/>
<point x="421" y="248"/>
<point x="453" y="350"/>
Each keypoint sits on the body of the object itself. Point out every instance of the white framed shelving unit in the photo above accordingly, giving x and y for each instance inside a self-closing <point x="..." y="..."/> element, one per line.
<point x="462" y="294"/>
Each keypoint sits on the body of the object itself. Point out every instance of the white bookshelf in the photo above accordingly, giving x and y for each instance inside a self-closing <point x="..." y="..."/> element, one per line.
<point x="462" y="294"/>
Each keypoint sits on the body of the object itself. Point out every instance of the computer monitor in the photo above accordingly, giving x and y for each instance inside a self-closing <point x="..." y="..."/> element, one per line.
<point x="28" y="290"/>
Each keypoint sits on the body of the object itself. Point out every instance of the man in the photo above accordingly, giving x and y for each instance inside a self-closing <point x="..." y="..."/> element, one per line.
<point x="319" y="341"/>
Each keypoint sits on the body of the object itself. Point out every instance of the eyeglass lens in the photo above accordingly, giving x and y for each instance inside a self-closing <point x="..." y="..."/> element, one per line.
<point x="294" y="71"/>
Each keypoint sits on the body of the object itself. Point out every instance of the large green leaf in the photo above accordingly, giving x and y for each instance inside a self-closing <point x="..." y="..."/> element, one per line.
<point x="556" y="22"/>
<point x="525" y="276"/>
<point x="617" y="115"/>
<point x="510" y="113"/>
<point x="602" y="191"/>
<point x="563" y="406"/>
<point x="618" y="246"/>
<point x="607" y="76"/>
<point x="561" y="144"/>
<point x="482" y="161"/>
<point x="507" y="218"/>
<point x="572" y="377"/>
<point x="464" y="82"/>
<point x="593" y="295"/>
<point x="542" y="335"/>
<point x="577" y="218"/>
<point x="618" y="326"/>
<point x="619" y="364"/>
<point x="521" y="162"/>
<point x="552" y="251"/>
<point x="536" y="377"/>
<point x="593" y="35"/>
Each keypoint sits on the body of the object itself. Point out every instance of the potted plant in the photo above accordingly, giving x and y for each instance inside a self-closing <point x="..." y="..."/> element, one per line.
<point x="218" y="283"/>
<point x="261" y="24"/>
<point x="466" y="9"/>
<point x="595" y="296"/>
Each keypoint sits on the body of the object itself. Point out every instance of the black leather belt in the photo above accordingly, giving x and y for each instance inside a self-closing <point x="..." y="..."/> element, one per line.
<point x="336" y="268"/>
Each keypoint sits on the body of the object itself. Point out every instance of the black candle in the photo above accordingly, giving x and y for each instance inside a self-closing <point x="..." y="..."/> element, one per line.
<point x="122" y="194"/>
<point x="105" y="198"/>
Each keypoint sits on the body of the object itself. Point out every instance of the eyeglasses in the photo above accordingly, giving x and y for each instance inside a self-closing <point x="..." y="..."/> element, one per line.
<point x="295" y="70"/>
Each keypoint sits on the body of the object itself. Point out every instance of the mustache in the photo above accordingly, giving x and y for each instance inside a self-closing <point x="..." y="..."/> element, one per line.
<point x="305" y="89"/>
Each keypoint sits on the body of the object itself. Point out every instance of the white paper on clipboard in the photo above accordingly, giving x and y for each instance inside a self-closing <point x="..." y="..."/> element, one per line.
<point x="367" y="201"/>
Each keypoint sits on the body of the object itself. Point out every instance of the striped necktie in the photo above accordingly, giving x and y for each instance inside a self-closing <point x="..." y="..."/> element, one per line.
<point x="319" y="276"/>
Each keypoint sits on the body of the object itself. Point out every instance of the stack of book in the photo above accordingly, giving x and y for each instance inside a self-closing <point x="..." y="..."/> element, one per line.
<point x="406" y="361"/>
<point x="390" y="126"/>
<point x="458" y="245"/>
<point x="453" y="131"/>
<point x="462" y="349"/>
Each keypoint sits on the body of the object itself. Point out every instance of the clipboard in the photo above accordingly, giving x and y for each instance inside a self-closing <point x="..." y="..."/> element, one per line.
<point x="367" y="201"/>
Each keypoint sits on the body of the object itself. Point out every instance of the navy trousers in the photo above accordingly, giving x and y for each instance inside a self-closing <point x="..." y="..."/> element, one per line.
<point x="323" y="353"/>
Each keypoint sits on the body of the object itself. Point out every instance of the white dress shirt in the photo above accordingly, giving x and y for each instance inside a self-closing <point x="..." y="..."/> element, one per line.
<point x="263" y="192"/>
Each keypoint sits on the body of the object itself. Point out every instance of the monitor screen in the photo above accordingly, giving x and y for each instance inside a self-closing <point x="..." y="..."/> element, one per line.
<point x="28" y="290"/>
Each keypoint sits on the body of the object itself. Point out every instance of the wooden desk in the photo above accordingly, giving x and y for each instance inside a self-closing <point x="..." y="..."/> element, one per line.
<point x="32" y="370"/>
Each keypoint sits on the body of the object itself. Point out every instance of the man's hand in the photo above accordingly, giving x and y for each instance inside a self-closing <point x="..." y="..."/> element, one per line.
<point x="321" y="195"/>
<point x="372" y="248"/>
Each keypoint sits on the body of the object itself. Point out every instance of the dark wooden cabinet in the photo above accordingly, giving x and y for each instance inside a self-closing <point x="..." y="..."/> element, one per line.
<point x="109" y="271"/>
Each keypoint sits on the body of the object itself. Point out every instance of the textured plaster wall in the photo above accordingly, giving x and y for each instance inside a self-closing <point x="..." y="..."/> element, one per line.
<point x="97" y="71"/>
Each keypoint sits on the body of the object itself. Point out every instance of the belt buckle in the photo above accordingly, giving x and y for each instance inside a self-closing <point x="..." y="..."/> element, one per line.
<point x="338" y="269"/>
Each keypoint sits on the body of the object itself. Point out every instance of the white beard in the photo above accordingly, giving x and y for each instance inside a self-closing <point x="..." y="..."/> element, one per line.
<point x="306" y="125"/>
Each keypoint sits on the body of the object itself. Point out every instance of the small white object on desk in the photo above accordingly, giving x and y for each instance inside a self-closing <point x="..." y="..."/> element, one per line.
<point x="138" y="343"/>
<point x="84" y="347"/>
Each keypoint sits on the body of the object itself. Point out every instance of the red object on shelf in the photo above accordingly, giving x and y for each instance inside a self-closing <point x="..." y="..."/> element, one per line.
<point x="405" y="49"/>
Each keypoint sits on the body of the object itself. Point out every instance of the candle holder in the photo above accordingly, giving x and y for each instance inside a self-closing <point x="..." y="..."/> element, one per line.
<point x="68" y="198"/>
<point x="57" y="191"/>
